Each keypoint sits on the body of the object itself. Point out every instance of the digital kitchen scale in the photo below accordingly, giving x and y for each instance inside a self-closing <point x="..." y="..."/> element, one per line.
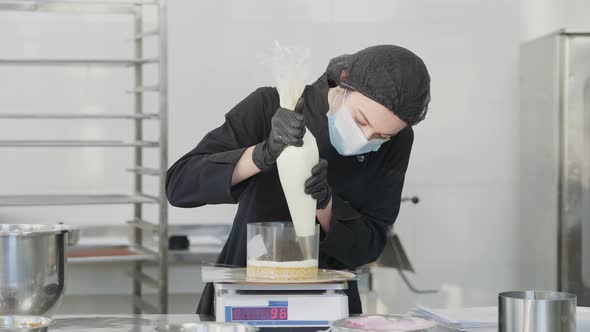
<point x="268" y="303"/>
<point x="281" y="305"/>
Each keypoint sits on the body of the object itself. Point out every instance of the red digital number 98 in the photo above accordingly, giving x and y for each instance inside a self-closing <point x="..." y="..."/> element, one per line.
<point x="274" y="313"/>
<point x="283" y="313"/>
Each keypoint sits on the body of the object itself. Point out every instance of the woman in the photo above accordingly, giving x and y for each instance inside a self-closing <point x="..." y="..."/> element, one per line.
<point x="361" y="112"/>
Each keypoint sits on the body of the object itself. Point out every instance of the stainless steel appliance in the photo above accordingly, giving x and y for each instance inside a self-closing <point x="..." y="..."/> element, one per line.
<point x="32" y="268"/>
<point x="554" y="248"/>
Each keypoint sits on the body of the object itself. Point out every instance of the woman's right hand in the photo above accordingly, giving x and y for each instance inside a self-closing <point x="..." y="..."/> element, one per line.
<point x="287" y="128"/>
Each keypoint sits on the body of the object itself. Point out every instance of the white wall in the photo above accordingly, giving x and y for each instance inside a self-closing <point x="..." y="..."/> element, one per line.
<point x="539" y="17"/>
<point x="464" y="163"/>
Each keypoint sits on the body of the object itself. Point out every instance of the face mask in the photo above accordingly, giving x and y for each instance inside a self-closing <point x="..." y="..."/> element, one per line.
<point x="346" y="136"/>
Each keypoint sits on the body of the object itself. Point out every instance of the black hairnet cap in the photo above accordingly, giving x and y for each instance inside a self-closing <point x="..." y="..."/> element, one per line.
<point x="390" y="75"/>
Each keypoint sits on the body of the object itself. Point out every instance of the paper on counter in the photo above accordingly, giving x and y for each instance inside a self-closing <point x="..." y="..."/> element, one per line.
<point x="479" y="319"/>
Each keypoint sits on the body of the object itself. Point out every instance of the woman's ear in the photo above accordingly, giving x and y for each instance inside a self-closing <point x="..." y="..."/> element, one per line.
<point x="344" y="75"/>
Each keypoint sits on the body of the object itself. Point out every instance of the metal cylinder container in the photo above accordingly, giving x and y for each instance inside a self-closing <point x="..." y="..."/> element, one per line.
<point x="32" y="268"/>
<point x="537" y="311"/>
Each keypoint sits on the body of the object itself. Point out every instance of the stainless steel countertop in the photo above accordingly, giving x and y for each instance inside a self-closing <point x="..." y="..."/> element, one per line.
<point x="144" y="323"/>
<point x="119" y="323"/>
<point x="130" y="323"/>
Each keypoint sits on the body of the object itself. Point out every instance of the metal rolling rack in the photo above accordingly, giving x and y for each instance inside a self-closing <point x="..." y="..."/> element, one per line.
<point x="135" y="9"/>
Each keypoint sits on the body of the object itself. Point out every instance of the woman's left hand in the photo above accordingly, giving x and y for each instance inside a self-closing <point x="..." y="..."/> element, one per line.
<point x="317" y="184"/>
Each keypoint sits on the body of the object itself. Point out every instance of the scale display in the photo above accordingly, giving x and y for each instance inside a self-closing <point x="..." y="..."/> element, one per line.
<point x="260" y="314"/>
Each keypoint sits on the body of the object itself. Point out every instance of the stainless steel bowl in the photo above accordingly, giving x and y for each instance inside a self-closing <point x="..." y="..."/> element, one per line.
<point x="533" y="311"/>
<point x="32" y="268"/>
<point x="73" y="234"/>
<point x="25" y="323"/>
<point x="207" y="327"/>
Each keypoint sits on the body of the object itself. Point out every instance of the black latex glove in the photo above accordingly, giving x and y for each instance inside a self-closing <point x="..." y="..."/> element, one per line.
<point x="317" y="184"/>
<point x="287" y="128"/>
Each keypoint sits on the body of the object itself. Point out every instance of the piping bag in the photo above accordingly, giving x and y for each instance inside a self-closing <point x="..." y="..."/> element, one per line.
<point x="295" y="163"/>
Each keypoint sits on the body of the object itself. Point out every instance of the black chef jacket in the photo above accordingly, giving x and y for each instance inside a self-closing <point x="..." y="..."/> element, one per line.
<point x="366" y="189"/>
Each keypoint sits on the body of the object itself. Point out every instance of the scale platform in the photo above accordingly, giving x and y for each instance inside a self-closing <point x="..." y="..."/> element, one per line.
<point x="312" y="304"/>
